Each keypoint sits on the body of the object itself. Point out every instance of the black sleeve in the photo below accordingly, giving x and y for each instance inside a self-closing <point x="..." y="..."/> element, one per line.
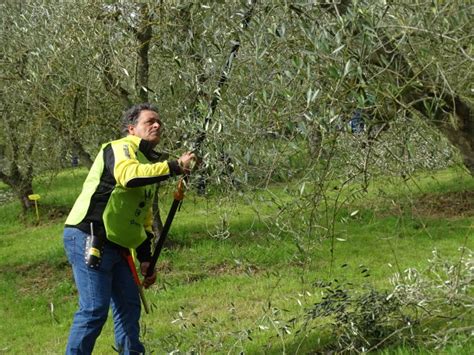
<point x="175" y="169"/>
<point x="144" y="249"/>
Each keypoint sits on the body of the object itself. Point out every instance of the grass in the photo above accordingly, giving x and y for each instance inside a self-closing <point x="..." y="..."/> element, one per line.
<point x="229" y="281"/>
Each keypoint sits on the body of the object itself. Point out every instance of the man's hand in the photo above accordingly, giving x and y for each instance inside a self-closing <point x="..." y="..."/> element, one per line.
<point x="147" y="281"/>
<point x="186" y="160"/>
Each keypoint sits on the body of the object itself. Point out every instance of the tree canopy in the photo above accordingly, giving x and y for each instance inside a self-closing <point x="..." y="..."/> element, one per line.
<point x="275" y="109"/>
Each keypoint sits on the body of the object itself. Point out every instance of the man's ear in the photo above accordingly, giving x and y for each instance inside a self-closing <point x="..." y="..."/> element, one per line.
<point x="131" y="129"/>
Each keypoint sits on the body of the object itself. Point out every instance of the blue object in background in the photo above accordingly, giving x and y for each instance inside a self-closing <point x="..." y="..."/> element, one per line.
<point x="357" y="122"/>
<point x="74" y="161"/>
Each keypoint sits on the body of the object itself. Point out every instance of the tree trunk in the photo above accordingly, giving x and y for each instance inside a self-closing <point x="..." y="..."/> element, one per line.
<point x="25" y="189"/>
<point x="84" y="157"/>
<point x="446" y="105"/>
<point x="461" y="132"/>
<point x="21" y="184"/>
<point x="144" y="35"/>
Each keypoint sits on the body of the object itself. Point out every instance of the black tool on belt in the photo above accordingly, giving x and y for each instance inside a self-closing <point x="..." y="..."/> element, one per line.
<point x="94" y="249"/>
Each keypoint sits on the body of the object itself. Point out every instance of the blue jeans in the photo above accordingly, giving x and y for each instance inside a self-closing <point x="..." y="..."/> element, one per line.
<point x="111" y="284"/>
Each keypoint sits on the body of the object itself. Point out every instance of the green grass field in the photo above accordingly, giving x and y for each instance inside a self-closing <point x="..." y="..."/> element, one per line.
<point x="229" y="281"/>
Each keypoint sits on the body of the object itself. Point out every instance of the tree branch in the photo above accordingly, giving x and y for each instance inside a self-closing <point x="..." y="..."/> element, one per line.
<point x="224" y="76"/>
<point x="111" y="84"/>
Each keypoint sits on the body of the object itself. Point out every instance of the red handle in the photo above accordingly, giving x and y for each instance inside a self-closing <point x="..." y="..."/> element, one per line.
<point x="131" y="264"/>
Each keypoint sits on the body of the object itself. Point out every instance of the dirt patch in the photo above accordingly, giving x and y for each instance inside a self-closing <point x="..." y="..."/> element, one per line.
<point x="57" y="212"/>
<point x="39" y="278"/>
<point x="447" y="205"/>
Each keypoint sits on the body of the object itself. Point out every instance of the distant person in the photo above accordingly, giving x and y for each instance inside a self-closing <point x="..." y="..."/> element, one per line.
<point x="113" y="214"/>
<point x="74" y="161"/>
<point x="357" y="123"/>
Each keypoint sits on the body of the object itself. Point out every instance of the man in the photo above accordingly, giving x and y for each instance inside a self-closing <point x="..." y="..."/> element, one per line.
<point x="113" y="214"/>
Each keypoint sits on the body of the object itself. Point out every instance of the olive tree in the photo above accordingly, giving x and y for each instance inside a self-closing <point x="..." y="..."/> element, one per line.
<point x="300" y="72"/>
<point x="61" y="93"/>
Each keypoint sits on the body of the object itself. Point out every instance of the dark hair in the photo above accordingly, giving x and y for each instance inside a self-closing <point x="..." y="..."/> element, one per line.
<point x="130" y="117"/>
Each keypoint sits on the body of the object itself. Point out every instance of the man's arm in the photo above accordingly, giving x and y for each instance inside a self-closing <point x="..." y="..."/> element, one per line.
<point x="129" y="172"/>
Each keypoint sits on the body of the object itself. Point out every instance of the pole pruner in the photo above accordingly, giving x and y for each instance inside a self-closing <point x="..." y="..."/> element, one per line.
<point x="178" y="199"/>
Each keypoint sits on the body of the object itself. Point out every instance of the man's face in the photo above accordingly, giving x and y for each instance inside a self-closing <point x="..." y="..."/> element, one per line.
<point x="148" y="127"/>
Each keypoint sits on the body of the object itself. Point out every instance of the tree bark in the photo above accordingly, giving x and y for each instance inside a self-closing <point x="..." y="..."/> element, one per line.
<point x="461" y="132"/>
<point x="21" y="184"/>
<point x="144" y="35"/>
<point x="84" y="157"/>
